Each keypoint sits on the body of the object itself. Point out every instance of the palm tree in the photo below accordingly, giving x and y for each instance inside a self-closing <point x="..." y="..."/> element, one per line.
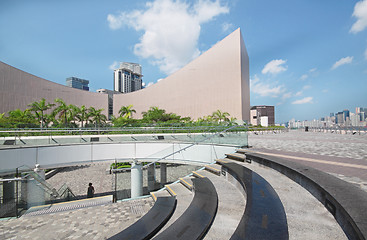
<point x="220" y="116"/>
<point x="154" y="114"/>
<point x="73" y="113"/>
<point x="21" y="118"/>
<point x="126" y="111"/>
<point x="83" y="115"/>
<point x="97" y="116"/>
<point x="39" y="108"/>
<point x="62" y="110"/>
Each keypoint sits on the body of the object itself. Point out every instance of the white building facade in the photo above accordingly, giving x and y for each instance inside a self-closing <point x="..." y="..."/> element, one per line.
<point x="128" y="77"/>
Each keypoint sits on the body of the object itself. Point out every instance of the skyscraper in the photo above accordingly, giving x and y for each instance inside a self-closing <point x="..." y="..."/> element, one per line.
<point x="77" y="83"/>
<point x="346" y="114"/>
<point x="339" y="118"/>
<point x="128" y="77"/>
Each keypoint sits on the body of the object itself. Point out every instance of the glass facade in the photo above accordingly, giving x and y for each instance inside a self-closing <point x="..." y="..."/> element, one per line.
<point x="78" y="83"/>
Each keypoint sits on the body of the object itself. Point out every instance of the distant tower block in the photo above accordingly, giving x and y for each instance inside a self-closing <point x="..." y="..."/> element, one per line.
<point x="128" y="78"/>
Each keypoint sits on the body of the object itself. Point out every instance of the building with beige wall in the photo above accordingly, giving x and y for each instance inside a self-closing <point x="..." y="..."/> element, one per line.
<point x="217" y="79"/>
<point x="19" y="88"/>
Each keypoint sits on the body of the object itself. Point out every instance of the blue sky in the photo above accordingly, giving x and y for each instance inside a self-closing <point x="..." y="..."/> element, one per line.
<point x="307" y="57"/>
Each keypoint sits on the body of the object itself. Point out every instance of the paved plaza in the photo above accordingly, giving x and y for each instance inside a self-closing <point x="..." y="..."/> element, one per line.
<point x="344" y="156"/>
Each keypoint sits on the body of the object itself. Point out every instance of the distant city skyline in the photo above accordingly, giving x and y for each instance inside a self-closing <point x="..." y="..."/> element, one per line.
<point x="344" y="118"/>
<point x="307" y="58"/>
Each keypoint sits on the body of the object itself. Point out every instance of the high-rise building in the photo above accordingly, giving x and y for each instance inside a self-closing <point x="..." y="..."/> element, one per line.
<point x="110" y="100"/>
<point x="78" y="83"/>
<point x="339" y="118"/>
<point x="346" y="114"/>
<point x="128" y="77"/>
<point x="262" y="111"/>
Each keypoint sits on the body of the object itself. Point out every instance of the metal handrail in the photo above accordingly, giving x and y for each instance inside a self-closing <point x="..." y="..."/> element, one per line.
<point x="182" y="149"/>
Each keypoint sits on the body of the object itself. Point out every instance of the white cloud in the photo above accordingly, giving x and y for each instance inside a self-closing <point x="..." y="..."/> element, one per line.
<point x="299" y="93"/>
<point x="275" y="66"/>
<point x="150" y="84"/>
<point x="226" y="27"/>
<point x="264" y="89"/>
<point x="325" y="90"/>
<point x="171" y="29"/>
<point x="286" y="95"/>
<point x="360" y="12"/>
<point x="313" y="70"/>
<point x="115" y="22"/>
<point x="303" y="100"/>
<point x="114" y="65"/>
<point x="304" y="77"/>
<point x="342" y="61"/>
<point x="306" y="87"/>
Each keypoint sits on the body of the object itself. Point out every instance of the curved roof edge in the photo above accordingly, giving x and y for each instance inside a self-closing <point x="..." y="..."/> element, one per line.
<point x="217" y="79"/>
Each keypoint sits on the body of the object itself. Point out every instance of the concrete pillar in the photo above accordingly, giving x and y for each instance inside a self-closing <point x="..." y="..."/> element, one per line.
<point x="163" y="173"/>
<point x="35" y="190"/>
<point x="151" y="177"/>
<point x="136" y="179"/>
<point x="9" y="191"/>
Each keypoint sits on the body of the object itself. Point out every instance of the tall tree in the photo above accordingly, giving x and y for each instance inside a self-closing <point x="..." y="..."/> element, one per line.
<point x="220" y="116"/>
<point x="97" y="116"/>
<point x="83" y="115"/>
<point x="39" y="108"/>
<point x="19" y="118"/>
<point x="62" y="110"/>
<point x="73" y="113"/>
<point x="126" y="111"/>
<point x="154" y="114"/>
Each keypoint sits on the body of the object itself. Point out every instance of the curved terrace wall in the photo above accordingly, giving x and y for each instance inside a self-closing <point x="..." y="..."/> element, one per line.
<point x="218" y="79"/>
<point x="19" y="88"/>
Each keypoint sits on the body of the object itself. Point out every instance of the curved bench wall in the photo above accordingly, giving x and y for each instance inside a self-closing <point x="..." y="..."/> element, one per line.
<point x="264" y="216"/>
<point x="147" y="226"/>
<point x="346" y="202"/>
<point x="198" y="217"/>
<point x="54" y="156"/>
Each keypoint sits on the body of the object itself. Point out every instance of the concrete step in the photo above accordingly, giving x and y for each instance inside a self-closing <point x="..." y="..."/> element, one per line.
<point x="197" y="174"/>
<point x="213" y="168"/>
<point x="231" y="206"/>
<point x="183" y="197"/>
<point x="170" y="190"/>
<point x="241" y="151"/>
<point x="186" y="181"/>
<point x="236" y="156"/>
<point x="160" y="193"/>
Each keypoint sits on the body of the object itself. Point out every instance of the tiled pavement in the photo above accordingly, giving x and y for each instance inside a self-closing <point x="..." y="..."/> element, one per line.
<point x="342" y="155"/>
<point x="100" y="222"/>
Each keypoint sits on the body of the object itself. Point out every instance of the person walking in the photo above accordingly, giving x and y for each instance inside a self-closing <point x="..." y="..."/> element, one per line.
<point x="90" y="193"/>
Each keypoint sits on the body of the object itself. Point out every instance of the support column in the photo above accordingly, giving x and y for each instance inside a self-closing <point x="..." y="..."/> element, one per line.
<point x="163" y="173"/>
<point x="35" y="190"/>
<point x="9" y="190"/>
<point x="151" y="177"/>
<point x="136" y="179"/>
